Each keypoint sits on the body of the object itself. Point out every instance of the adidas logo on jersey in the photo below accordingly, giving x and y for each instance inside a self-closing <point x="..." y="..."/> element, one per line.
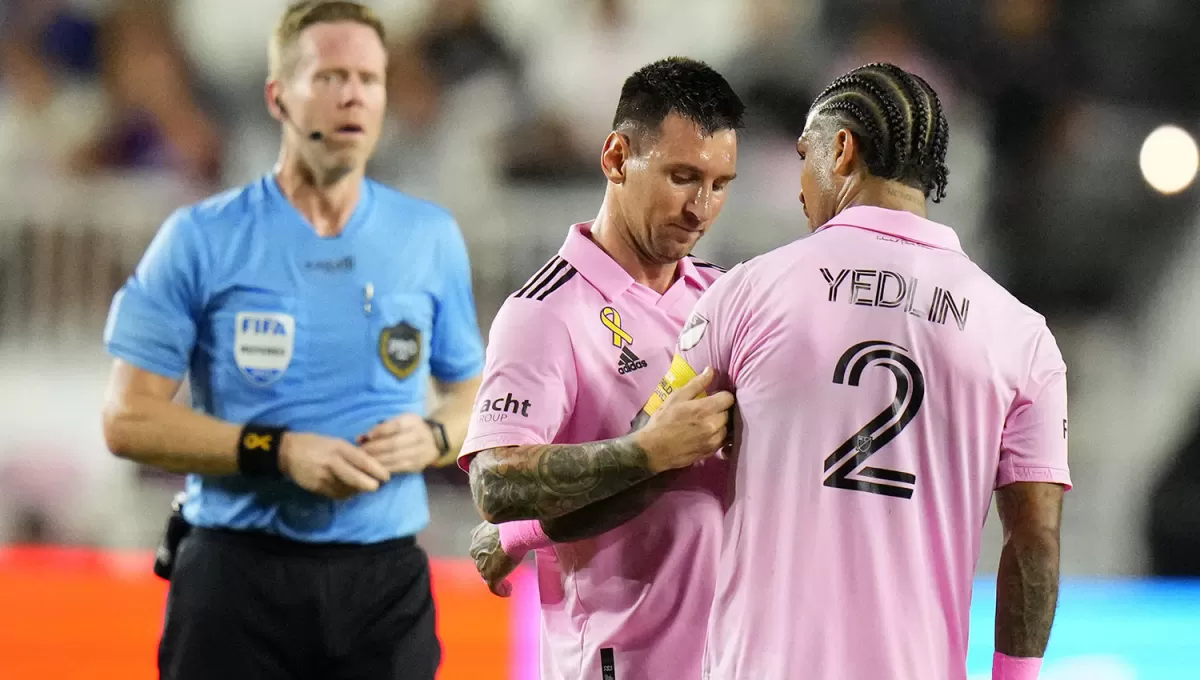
<point x="629" y="362"/>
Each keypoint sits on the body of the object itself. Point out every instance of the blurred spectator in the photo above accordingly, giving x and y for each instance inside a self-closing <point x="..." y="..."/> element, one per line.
<point x="49" y="61"/>
<point x="97" y="86"/>
<point x="457" y="93"/>
<point x="154" y="120"/>
<point x="786" y="52"/>
<point x="888" y="35"/>
<point x="43" y="41"/>
<point x="579" y="52"/>
<point x="454" y="86"/>
<point x="456" y="45"/>
<point x="1022" y="68"/>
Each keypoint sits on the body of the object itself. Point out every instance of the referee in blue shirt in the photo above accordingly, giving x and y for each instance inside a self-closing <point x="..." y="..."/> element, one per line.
<point x="310" y="309"/>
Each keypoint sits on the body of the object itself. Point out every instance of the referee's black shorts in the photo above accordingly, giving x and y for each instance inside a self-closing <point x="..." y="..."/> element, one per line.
<point x="252" y="606"/>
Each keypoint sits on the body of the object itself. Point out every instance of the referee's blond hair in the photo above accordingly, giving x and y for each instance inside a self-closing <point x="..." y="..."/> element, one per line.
<point x="281" y="58"/>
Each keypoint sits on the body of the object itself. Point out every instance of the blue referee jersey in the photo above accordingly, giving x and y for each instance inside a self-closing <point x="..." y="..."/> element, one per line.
<point x="280" y="326"/>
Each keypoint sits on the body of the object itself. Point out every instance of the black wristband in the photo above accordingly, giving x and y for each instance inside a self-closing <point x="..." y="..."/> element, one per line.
<point x="258" y="450"/>
<point x="439" y="436"/>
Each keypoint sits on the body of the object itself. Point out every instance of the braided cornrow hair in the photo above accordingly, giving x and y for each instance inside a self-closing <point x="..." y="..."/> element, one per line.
<point x="898" y="120"/>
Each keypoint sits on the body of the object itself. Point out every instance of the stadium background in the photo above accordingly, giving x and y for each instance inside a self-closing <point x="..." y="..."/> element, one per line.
<point x="112" y="112"/>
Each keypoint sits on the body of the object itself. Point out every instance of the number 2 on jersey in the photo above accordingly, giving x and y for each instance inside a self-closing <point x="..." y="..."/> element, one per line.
<point x="842" y="467"/>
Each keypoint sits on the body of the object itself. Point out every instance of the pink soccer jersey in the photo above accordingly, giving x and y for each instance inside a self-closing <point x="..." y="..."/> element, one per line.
<point x="885" y="386"/>
<point x="572" y="358"/>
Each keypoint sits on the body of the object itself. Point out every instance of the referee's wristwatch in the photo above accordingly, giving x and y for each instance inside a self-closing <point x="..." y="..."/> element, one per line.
<point x="439" y="439"/>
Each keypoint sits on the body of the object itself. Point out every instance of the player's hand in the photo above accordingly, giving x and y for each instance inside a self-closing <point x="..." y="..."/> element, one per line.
<point x="330" y="467"/>
<point x="686" y="429"/>
<point x="491" y="560"/>
<point x="403" y="444"/>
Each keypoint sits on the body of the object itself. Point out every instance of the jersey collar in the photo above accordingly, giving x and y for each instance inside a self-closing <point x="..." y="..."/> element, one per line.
<point x="358" y="218"/>
<point x="897" y="223"/>
<point x="602" y="271"/>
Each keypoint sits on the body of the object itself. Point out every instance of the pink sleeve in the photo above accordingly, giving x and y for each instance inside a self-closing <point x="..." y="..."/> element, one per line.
<point x="1033" y="446"/>
<point x="518" y="538"/>
<point x="529" y="381"/>
<point x="714" y="333"/>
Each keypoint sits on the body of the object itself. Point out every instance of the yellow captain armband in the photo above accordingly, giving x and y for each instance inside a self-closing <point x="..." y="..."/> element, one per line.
<point x="677" y="376"/>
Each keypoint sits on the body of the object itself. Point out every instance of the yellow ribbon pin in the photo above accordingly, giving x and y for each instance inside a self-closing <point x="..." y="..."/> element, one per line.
<point x="257" y="441"/>
<point x="612" y="321"/>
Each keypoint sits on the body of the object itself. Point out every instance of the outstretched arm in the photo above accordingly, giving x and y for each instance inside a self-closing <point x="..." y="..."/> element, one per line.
<point x="549" y="481"/>
<point x="608" y="514"/>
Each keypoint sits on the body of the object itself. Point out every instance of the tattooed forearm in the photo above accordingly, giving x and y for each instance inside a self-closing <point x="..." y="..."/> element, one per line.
<point x="1026" y="595"/>
<point x="1027" y="581"/>
<point x="608" y="514"/>
<point x="543" y="482"/>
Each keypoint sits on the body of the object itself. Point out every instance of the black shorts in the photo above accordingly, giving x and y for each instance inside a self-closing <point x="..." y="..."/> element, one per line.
<point x="244" y="605"/>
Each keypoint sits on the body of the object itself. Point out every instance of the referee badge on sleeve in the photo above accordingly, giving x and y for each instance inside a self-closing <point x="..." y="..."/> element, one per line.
<point x="400" y="349"/>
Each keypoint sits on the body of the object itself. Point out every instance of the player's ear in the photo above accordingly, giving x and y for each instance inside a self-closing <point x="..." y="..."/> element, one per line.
<point x="617" y="152"/>
<point x="273" y="92"/>
<point x="845" y="152"/>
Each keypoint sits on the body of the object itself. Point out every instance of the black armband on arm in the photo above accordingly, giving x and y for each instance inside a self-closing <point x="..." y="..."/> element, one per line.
<point x="258" y="451"/>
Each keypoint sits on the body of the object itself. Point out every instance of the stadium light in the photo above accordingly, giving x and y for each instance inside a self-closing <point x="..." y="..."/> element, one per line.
<point x="1169" y="159"/>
